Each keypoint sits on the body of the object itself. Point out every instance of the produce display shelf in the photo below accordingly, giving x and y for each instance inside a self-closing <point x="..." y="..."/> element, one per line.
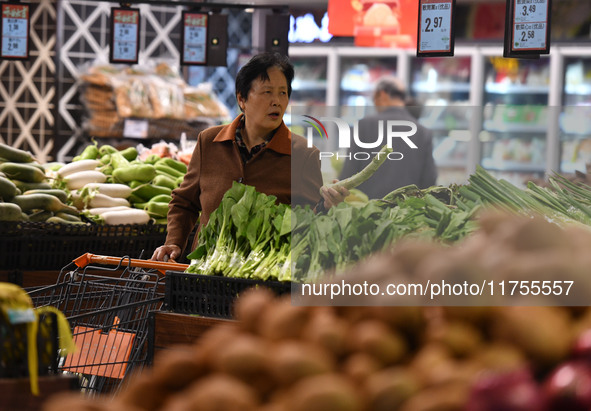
<point x="46" y="246"/>
<point x="210" y="295"/>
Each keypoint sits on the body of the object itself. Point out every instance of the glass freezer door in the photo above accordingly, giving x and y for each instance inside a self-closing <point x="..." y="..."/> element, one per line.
<point x="575" y="117"/>
<point x="440" y="88"/>
<point x="515" y="118"/>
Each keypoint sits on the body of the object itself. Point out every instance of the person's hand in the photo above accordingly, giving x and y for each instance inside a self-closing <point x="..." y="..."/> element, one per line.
<point x="167" y="253"/>
<point x="333" y="196"/>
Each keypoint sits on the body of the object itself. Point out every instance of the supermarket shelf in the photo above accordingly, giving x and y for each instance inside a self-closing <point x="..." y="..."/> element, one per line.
<point x="570" y="167"/>
<point x="490" y="164"/>
<point x="489" y="125"/>
<point x="451" y="164"/>
<point x="578" y="89"/>
<point x="426" y="87"/>
<point x="515" y="89"/>
<point x="301" y="85"/>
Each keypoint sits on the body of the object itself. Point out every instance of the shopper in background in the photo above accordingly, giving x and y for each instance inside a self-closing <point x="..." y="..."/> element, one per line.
<point x="256" y="149"/>
<point x="417" y="165"/>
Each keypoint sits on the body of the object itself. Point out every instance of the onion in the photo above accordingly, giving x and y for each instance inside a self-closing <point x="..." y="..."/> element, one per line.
<point x="505" y="391"/>
<point x="582" y="347"/>
<point x="568" y="387"/>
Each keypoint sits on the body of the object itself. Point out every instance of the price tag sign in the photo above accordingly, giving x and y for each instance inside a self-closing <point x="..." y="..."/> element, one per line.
<point x="194" y="38"/>
<point x="15" y="31"/>
<point x="435" y="30"/>
<point x="528" y="31"/>
<point x="125" y="35"/>
<point x="135" y="128"/>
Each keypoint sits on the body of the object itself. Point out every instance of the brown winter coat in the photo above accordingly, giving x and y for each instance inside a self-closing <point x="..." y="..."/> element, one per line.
<point x="216" y="163"/>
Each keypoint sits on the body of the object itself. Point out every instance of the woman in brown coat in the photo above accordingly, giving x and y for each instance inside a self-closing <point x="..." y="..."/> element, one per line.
<point x="255" y="149"/>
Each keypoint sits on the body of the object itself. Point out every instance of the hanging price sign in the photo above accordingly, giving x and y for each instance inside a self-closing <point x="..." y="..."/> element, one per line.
<point x="194" y="38"/>
<point x="15" y="31"/>
<point x="528" y="28"/>
<point x="125" y="35"/>
<point x="435" y="35"/>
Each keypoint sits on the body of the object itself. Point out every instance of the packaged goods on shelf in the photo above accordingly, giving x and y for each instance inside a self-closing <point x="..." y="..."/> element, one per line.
<point x="158" y="94"/>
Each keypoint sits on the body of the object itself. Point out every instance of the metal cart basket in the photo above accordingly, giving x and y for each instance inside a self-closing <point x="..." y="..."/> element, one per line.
<point x="106" y="301"/>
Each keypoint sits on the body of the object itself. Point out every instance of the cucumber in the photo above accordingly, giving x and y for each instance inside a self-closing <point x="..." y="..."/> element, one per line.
<point x="24" y="186"/>
<point x="10" y="212"/>
<point x="61" y="194"/>
<point x="7" y="189"/>
<point x="23" y="172"/>
<point x="39" y="202"/>
<point x="40" y="216"/>
<point x="15" y="154"/>
<point x="68" y="217"/>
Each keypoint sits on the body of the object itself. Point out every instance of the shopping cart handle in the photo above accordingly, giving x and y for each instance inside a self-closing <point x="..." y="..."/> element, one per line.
<point x="162" y="267"/>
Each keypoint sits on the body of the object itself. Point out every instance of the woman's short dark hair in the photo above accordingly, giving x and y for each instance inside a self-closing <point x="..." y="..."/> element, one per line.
<point x="257" y="67"/>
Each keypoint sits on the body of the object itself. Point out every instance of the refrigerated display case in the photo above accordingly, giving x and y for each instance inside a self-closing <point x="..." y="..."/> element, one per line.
<point x="575" y="114"/>
<point x="515" y="118"/>
<point x="440" y="86"/>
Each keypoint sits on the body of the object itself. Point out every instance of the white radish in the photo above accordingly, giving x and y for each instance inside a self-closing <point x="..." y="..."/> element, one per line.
<point x="81" y="178"/>
<point x="112" y="190"/>
<point x="101" y="210"/>
<point x="131" y="216"/>
<point x="77" y="166"/>
<point x="103" y="200"/>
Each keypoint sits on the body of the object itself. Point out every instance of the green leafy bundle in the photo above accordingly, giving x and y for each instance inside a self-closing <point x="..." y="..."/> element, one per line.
<point x="247" y="236"/>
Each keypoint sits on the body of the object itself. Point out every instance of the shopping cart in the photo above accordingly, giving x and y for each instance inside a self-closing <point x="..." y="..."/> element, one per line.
<point x="106" y="301"/>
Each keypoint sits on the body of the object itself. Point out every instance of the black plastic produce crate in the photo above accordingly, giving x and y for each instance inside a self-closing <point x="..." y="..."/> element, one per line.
<point x="210" y="295"/>
<point x="49" y="246"/>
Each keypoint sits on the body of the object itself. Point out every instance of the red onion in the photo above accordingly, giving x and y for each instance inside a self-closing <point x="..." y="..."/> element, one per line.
<point x="568" y="387"/>
<point x="505" y="391"/>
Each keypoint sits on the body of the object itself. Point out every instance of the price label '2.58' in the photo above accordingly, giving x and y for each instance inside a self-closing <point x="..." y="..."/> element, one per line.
<point x="529" y="28"/>
<point x="435" y="30"/>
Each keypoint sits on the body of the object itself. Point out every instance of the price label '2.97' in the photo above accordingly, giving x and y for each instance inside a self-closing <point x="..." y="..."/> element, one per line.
<point x="15" y="31"/>
<point x="125" y="29"/>
<point x="435" y="30"/>
<point x="194" y="39"/>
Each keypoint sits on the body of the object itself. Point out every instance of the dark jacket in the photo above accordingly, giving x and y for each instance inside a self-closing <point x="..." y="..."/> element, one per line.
<point x="216" y="163"/>
<point x="416" y="167"/>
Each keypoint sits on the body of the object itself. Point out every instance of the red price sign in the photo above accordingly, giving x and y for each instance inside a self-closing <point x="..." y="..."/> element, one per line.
<point x="125" y="35"/>
<point x="435" y="30"/>
<point x="194" y="38"/>
<point x="15" y="31"/>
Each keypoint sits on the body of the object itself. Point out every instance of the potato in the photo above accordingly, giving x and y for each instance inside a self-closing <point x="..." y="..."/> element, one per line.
<point x="249" y="306"/>
<point x="359" y="366"/>
<point x="499" y="356"/>
<point x="542" y="333"/>
<point x="460" y="338"/>
<point x="211" y="341"/>
<point x="283" y="320"/>
<point x="448" y="397"/>
<point x="144" y="393"/>
<point x="432" y="363"/>
<point x="328" y="331"/>
<point x="294" y="360"/>
<point x="216" y="392"/>
<point x="178" y="367"/>
<point x="377" y="339"/>
<point x="389" y="388"/>
<point x="246" y="358"/>
<point x="324" y="392"/>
